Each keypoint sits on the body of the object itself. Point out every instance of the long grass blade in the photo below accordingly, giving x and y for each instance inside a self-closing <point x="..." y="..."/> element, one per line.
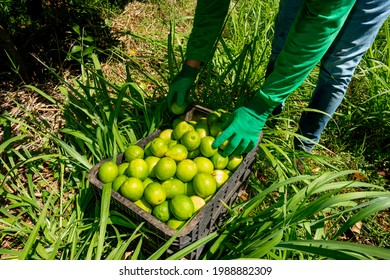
<point x="265" y="247"/>
<point x="157" y="254"/>
<point x="104" y="214"/>
<point x="337" y="248"/>
<point x="190" y="248"/>
<point x="377" y="205"/>
<point x="32" y="239"/>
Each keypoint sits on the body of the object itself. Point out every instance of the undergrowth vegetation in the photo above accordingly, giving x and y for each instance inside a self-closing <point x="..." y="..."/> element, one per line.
<point x="337" y="208"/>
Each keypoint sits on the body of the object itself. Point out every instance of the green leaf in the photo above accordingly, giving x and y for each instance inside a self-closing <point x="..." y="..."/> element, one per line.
<point x="73" y="153"/>
<point x="137" y="250"/>
<point x="33" y="237"/>
<point x="190" y="248"/>
<point x="377" y="205"/>
<point x="104" y="215"/>
<point x="336" y="249"/>
<point x="265" y="247"/>
<point x="11" y="140"/>
<point x="156" y="255"/>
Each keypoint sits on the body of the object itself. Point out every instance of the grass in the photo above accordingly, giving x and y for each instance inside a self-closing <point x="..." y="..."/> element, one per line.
<point x="339" y="209"/>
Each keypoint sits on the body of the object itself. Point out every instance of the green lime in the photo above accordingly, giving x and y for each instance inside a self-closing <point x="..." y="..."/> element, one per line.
<point x="165" y="168"/>
<point x="175" y="223"/>
<point x="158" y="147"/>
<point x="177" y="121"/>
<point x="202" y="127"/>
<point x="234" y="162"/>
<point x="204" y="184"/>
<point x="162" y="211"/>
<point x="122" y="168"/>
<point x="220" y="177"/>
<point x="147" y="181"/>
<point x="191" y="140"/>
<point x="204" y="164"/>
<point x="215" y="129"/>
<point x="172" y="143"/>
<point x="206" y="148"/>
<point x="155" y="194"/>
<point x="177" y="152"/>
<point x="144" y="205"/>
<point x="186" y="170"/>
<point x="224" y="116"/>
<point x="138" y="168"/>
<point x="116" y="184"/>
<point x="181" y="128"/>
<point x="178" y="110"/>
<point x="219" y="161"/>
<point x="173" y="187"/>
<point x="198" y="202"/>
<point x="133" y="152"/>
<point x="108" y="171"/>
<point x="132" y="188"/>
<point x="166" y="135"/>
<point x="182" y="207"/>
<point x="151" y="161"/>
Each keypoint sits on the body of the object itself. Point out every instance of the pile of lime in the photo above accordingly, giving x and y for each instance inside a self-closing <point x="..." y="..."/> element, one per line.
<point x="177" y="172"/>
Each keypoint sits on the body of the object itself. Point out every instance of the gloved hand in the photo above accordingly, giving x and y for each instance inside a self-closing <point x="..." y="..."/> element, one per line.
<point x="181" y="84"/>
<point x="242" y="129"/>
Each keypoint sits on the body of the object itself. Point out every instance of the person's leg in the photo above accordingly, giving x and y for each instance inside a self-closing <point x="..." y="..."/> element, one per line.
<point x="288" y="9"/>
<point x="338" y="66"/>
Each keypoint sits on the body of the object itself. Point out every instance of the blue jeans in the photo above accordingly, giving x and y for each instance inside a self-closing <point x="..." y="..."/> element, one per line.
<point x="337" y="65"/>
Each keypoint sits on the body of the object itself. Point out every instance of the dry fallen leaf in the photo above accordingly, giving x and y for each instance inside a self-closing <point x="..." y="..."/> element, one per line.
<point x="359" y="176"/>
<point x="357" y="227"/>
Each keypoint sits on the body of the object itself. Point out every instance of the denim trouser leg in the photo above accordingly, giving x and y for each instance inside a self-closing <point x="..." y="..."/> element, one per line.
<point x="288" y="9"/>
<point x="337" y="65"/>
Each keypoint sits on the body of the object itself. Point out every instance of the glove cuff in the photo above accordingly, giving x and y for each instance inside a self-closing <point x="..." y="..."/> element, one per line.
<point x="260" y="104"/>
<point x="188" y="71"/>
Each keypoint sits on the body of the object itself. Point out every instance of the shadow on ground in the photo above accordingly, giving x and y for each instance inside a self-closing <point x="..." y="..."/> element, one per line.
<point x="38" y="32"/>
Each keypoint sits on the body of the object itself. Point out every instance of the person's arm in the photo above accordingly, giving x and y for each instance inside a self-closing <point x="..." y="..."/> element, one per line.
<point x="311" y="34"/>
<point x="209" y="20"/>
<point x="208" y="23"/>
<point x="313" y="31"/>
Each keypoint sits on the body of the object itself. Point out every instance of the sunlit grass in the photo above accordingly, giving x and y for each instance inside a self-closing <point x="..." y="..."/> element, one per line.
<point x="48" y="207"/>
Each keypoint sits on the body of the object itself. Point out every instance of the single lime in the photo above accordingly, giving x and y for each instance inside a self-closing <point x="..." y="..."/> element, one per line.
<point x="204" y="184"/>
<point x="175" y="223"/>
<point x="108" y="171"/>
<point x="165" y="168"/>
<point x="155" y="194"/>
<point x="133" y="152"/>
<point x="186" y="170"/>
<point x="162" y="211"/>
<point x="144" y="205"/>
<point x="182" y="207"/>
<point x="116" y="184"/>
<point x="138" y="168"/>
<point x="132" y="188"/>
<point x="173" y="187"/>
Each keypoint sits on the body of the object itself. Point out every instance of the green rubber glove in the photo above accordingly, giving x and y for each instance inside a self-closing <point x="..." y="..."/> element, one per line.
<point x="242" y="129"/>
<point x="181" y="84"/>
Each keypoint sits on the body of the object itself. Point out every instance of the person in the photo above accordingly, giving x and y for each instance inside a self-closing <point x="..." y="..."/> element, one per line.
<point x="334" y="33"/>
